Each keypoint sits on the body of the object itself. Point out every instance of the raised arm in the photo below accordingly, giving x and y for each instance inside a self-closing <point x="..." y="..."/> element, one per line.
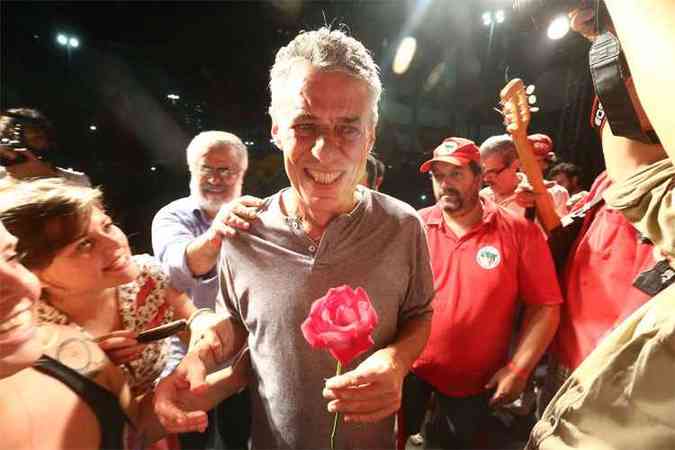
<point x="202" y="252"/>
<point x="188" y="256"/>
<point x="646" y="30"/>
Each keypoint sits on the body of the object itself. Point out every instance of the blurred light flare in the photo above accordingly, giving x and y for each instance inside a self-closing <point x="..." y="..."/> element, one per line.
<point x="435" y="76"/>
<point x="404" y="55"/>
<point x="413" y="21"/>
<point x="558" y="28"/>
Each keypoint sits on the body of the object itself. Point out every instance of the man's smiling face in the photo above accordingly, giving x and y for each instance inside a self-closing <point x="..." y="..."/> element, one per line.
<point x="323" y="124"/>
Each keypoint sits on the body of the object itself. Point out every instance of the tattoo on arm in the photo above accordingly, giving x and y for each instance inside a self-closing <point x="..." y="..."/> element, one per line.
<point x="80" y="355"/>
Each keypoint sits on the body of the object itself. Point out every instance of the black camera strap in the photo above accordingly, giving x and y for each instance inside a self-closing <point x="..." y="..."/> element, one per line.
<point x="611" y="76"/>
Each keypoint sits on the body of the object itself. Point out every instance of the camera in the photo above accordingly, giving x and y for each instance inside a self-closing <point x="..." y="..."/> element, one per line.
<point x="15" y="146"/>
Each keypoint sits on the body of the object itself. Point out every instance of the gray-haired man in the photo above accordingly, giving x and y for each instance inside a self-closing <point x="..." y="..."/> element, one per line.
<point x="187" y="235"/>
<point x="308" y="238"/>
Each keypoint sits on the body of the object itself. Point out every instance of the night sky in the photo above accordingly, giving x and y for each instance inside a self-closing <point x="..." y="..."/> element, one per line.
<point x="216" y="57"/>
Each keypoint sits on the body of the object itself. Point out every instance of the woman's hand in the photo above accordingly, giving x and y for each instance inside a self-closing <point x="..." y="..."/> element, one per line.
<point x="120" y="346"/>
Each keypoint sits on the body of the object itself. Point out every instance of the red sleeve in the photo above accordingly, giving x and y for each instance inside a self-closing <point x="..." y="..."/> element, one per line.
<point x="600" y="185"/>
<point x="537" y="280"/>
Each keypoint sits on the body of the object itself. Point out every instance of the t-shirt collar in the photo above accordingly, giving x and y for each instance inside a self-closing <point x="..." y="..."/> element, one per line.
<point x="364" y="201"/>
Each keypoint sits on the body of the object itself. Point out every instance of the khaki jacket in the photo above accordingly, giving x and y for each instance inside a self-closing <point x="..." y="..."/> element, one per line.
<point x="622" y="397"/>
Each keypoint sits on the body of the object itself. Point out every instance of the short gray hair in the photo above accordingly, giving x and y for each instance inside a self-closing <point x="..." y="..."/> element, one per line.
<point x="499" y="145"/>
<point x="327" y="50"/>
<point x="208" y="140"/>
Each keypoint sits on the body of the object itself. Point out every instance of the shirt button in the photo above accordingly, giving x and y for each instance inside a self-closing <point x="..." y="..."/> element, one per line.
<point x="312" y="248"/>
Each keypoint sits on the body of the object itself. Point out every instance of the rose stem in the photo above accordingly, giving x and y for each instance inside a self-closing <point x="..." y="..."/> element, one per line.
<point x="336" y="419"/>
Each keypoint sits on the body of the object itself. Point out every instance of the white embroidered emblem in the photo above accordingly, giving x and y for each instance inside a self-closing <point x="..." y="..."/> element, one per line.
<point x="448" y="148"/>
<point x="488" y="257"/>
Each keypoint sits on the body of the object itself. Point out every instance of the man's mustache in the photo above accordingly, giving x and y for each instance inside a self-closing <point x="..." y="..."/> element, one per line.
<point x="451" y="191"/>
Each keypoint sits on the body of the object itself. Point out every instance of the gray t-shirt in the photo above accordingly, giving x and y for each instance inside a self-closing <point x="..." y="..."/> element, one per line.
<point x="269" y="278"/>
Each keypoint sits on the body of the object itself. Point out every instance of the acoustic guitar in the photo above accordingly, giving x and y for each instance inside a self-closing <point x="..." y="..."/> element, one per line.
<point x="516" y="110"/>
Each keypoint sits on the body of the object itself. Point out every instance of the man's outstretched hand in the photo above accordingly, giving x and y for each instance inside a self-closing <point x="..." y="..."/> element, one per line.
<point x="180" y="402"/>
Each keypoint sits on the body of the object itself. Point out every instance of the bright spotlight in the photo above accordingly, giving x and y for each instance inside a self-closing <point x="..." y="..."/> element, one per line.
<point x="404" y="55"/>
<point x="558" y="28"/>
<point x="73" y="42"/>
<point x="173" y="97"/>
<point x="499" y="16"/>
<point x="62" y="39"/>
<point x="487" y="18"/>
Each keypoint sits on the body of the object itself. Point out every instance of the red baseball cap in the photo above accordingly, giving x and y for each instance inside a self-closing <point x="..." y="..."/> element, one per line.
<point x="454" y="150"/>
<point x="541" y="144"/>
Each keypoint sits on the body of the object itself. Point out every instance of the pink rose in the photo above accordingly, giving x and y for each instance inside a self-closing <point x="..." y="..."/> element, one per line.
<point x="341" y="322"/>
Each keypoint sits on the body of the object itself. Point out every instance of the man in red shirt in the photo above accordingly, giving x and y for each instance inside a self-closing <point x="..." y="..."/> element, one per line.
<point x="597" y="282"/>
<point x="604" y="261"/>
<point x="485" y="260"/>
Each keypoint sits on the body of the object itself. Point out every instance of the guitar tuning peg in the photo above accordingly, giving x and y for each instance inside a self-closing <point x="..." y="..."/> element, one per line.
<point x="532" y="99"/>
<point x="529" y="90"/>
<point x="534" y="109"/>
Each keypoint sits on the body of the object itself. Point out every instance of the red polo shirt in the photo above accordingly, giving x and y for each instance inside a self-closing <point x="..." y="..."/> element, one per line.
<point x="598" y="279"/>
<point x="479" y="279"/>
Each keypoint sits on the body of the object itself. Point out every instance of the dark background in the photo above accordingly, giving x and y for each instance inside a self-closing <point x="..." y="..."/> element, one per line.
<point x="216" y="57"/>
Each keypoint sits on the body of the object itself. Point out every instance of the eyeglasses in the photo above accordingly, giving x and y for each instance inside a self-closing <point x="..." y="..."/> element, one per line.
<point x="222" y="172"/>
<point x="494" y="172"/>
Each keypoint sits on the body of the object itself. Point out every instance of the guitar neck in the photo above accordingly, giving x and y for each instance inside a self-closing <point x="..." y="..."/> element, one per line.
<point x="528" y="163"/>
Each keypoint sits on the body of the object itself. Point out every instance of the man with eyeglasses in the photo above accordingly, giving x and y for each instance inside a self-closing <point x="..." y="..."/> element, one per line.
<point x="484" y="261"/>
<point x="187" y="235"/>
<point x="508" y="187"/>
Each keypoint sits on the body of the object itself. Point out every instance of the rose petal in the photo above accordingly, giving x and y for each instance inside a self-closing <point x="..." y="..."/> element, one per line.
<point x="341" y="321"/>
<point x="356" y="347"/>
